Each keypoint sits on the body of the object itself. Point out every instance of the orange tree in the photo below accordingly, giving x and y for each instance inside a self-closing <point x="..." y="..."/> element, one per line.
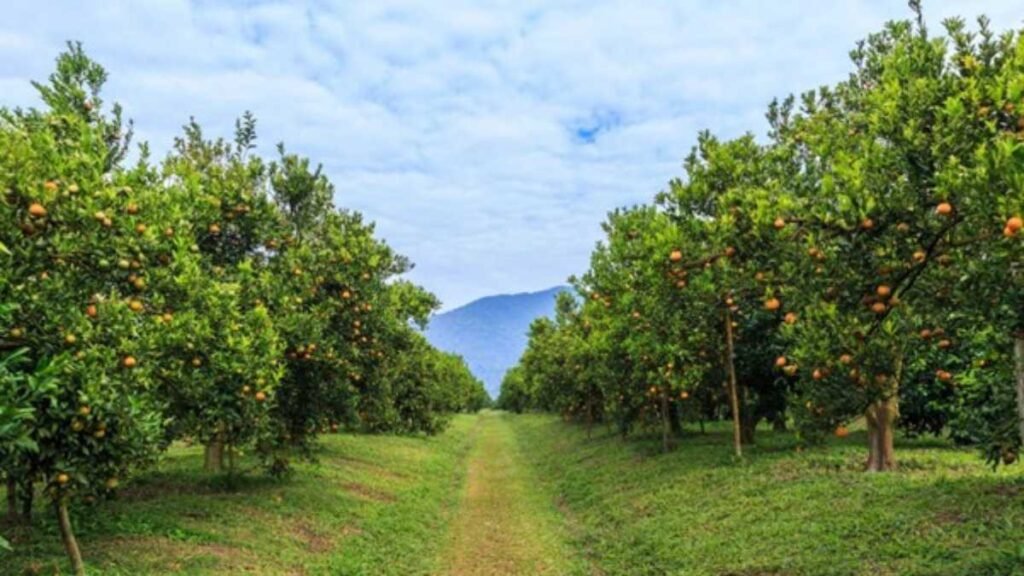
<point x="399" y="388"/>
<point x="986" y="282"/>
<point x="333" y="304"/>
<point x="66" y="222"/>
<point x="514" y="395"/>
<point x="900" y="200"/>
<point x="730" y="188"/>
<point x="649" y="314"/>
<point x="220" y="352"/>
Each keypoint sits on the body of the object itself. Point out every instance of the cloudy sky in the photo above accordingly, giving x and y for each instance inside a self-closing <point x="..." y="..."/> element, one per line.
<point x="486" y="139"/>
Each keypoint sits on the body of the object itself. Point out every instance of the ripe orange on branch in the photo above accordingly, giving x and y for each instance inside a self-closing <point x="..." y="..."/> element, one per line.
<point x="37" y="210"/>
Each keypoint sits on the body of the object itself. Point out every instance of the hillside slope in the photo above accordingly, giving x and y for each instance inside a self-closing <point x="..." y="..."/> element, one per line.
<point x="490" y="333"/>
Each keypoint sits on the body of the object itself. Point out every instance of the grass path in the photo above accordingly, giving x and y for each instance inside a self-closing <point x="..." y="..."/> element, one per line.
<point x="505" y="523"/>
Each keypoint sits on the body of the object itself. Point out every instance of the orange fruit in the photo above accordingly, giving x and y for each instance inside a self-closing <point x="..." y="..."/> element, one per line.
<point x="37" y="210"/>
<point x="129" y="362"/>
<point x="944" y="209"/>
<point x="842" y="431"/>
<point x="1015" y="224"/>
<point x="772" y="304"/>
<point x="675" y="256"/>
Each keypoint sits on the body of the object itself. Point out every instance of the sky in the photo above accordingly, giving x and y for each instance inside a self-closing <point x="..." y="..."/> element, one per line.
<point x="487" y="140"/>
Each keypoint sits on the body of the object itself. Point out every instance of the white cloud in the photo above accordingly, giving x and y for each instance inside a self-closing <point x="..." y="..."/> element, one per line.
<point x="453" y="124"/>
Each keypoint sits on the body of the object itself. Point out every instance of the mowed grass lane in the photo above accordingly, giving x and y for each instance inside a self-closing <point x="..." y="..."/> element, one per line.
<point x="507" y="523"/>
<point x="696" y="511"/>
<point x="371" y="505"/>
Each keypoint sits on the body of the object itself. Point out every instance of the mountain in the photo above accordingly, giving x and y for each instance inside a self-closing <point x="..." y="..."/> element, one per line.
<point x="490" y="333"/>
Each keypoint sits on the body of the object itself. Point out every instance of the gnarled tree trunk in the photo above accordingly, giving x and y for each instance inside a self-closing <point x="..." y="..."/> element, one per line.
<point x="68" y="537"/>
<point x="881" y="417"/>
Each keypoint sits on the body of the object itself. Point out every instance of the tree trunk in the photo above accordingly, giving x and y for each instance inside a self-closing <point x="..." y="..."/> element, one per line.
<point x="1018" y="354"/>
<point x="214" y="452"/>
<point x="26" y="494"/>
<point x="214" y="456"/>
<point x="12" y="499"/>
<point x="881" y="415"/>
<point x="666" y="429"/>
<point x="747" y="428"/>
<point x="590" y="416"/>
<point x="734" y="402"/>
<point x="779" y="422"/>
<point x="676" y="418"/>
<point x="68" y="536"/>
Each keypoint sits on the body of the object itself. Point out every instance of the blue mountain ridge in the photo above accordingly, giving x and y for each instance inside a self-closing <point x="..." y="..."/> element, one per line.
<point x="491" y="333"/>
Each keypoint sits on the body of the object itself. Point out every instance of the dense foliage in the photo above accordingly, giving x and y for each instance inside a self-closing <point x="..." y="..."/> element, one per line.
<point x="863" y="261"/>
<point x="214" y="298"/>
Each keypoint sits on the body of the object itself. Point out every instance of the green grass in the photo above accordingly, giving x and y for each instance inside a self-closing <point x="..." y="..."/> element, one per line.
<point x="507" y="523"/>
<point x="504" y="494"/>
<point x="696" y="511"/>
<point x="372" y="505"/>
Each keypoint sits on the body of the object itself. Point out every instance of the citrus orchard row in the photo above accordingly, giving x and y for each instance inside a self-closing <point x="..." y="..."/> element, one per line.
<point x="214" y="297"/>
<point x="864" y="260"/>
